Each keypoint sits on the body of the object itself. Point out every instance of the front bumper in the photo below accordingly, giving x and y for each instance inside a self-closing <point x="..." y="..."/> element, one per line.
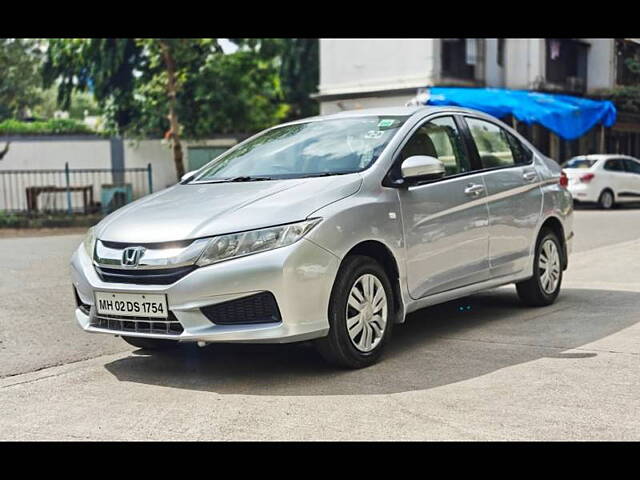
<point x="299" y="276"/>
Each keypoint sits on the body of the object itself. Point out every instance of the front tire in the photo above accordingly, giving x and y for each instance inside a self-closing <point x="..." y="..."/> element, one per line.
<point x="150" y="343"/>
<point x="543" y="288"/>
<point x="361" y="312"/>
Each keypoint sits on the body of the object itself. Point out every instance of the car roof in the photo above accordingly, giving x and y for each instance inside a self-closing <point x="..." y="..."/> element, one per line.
<point x="390" y="111"/>
<point x="602" y="156"/>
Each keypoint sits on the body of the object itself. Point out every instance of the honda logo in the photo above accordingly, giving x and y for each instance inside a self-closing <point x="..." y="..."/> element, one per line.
<point x="131" y="256"/>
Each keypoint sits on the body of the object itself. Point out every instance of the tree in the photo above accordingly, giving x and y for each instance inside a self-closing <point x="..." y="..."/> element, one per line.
<point x="104" y="67"/>
<point x="19" y="76"/>
<point x="300" y="71"/>
<point x="171" y="63"/>
<point x="176" y="87"/>
<point x="298" y="64"/>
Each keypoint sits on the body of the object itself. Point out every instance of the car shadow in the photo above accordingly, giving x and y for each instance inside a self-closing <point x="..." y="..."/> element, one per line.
<point x="436" y="346"/>
<point x="618" y="206"/>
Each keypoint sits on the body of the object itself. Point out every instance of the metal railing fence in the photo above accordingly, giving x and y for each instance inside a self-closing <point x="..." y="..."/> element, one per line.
<point x="72" y="190"/>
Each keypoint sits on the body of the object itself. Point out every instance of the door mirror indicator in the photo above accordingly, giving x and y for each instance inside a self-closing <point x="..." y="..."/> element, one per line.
<point x="421" y="167"/>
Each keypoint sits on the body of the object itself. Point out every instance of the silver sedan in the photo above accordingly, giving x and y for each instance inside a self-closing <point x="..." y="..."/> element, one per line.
<point x="330" y="229"/>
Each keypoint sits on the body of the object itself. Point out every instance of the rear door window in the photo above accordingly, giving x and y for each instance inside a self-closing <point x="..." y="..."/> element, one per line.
<point x="521" y="153"/>
<point x="614" y="165"/>
<point x="492" y="142"/>
<point x="632" y="166"/>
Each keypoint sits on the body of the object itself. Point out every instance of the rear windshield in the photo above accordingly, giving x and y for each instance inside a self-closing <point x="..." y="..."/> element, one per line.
<point x="579" y="163"/>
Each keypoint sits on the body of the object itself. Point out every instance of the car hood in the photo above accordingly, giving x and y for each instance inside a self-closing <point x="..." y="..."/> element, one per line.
<point x="192" y="211"/>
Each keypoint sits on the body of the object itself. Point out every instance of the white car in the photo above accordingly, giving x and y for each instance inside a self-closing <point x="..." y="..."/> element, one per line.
<point x="603" y="179"/>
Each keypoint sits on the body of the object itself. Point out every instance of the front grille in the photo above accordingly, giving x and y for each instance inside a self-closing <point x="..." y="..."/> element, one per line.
<point x="259" y="308"/>
<point x="158" y="276"/>
<point x="170" y="326"/>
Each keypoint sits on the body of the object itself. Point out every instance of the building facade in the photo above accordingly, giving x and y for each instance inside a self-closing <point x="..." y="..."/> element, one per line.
<point x="363" y="73"/>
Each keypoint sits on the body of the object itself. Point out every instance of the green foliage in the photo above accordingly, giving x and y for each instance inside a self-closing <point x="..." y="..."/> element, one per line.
<point x="626" y="99"/>
<point x="19" y="76"/>
<point x="263" y="83"/>
<point x="49" y="220"/>
<point x="81" y="102"/>
<point x="633" y="65"/>
<point x="9" y="220"/>
<point x="47" y="127"/>
<point x="103" y="66"/>
<point x="297" y="61"/>
<point x="300" y="73"/>
<point x="239" y="92"/>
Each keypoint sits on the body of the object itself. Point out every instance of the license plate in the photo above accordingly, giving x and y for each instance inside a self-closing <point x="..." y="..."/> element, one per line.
<point x="132" y="304"/>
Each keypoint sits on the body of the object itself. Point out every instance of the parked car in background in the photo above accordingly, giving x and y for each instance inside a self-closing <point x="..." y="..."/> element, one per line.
<point x="604" y="179"/>
<point x="330" y="229"/>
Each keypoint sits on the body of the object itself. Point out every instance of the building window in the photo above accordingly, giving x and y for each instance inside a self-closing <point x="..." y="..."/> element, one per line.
<point x="566" y="65"/>
<point x="459" y="58"/>
<point x="627" y="61"/>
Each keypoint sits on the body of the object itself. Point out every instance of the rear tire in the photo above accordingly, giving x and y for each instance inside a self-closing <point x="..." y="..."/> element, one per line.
<point x="361" y="314"/>
<point x="543" y="288"/>
<point x="606" y="201"/>
<point x="150" y="343"/>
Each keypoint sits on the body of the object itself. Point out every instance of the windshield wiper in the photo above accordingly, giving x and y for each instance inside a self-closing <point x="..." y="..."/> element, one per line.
<point x="325" y="174"/>
<point x="247" y="178"/>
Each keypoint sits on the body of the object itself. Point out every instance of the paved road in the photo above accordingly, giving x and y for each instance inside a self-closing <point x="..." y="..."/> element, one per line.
<point x="595" y="228"/>
<point x="497" y="371"/>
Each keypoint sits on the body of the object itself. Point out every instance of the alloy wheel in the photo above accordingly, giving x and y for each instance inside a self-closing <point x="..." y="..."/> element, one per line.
<point x="607" y="200"/>
<point x="366" y="312"/>
<point x="549" y="266"/>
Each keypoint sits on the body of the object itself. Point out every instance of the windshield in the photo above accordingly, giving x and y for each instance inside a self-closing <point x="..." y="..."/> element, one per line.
<point x="326" y="147"/>
<point x="579" y="163"/>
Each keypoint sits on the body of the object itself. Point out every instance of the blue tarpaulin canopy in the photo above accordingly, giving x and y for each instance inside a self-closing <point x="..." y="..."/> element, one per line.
<point x="568" y="117"/>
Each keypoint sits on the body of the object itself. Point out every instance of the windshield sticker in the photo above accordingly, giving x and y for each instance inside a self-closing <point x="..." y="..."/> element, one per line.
<point x="374" y="134"/>
<point x="386" y="122"/>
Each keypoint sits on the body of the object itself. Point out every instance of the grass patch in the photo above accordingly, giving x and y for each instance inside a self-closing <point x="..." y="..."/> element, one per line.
<point x="12" y="220"/>
<point x="54" y="126"/>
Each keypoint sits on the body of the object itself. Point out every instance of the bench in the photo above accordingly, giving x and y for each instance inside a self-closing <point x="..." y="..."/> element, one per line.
<point x="34" y="192"/>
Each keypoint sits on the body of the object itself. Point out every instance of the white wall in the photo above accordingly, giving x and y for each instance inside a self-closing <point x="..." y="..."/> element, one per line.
<point x="138" y="154"/>
<point x="601" y="64"/>
<point x="525" y="62"/>
<point x="352" y="65"/>
<point x="494" y="73"/>
<point x="335" y="106"/>
<point x="141" y="153"/>
<point x="52" y="154"/>
<point x="38" y="154"/>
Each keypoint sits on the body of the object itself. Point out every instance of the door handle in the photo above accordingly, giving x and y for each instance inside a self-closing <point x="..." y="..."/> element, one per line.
<point x="473" y="190"/>
<point x="530" y="176"/>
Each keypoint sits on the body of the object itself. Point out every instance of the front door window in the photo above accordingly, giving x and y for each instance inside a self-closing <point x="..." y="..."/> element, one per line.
<point x="439" y="138"/>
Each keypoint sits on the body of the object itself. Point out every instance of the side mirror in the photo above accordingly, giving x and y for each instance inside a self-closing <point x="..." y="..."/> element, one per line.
<point x="187" y="176"/>
<point x="421" y="167"/>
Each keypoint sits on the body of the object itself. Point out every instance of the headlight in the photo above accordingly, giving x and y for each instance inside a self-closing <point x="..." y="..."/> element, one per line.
<point x="90" y="242"/>
<point x="235" y="245"/>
